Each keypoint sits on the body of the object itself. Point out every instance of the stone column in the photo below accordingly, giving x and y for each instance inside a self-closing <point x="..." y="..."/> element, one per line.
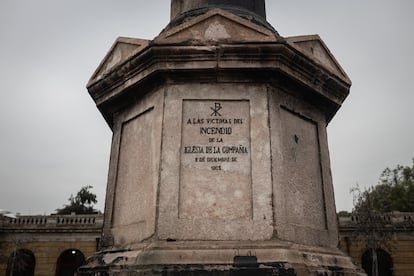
<point x="257" y="7"/>
<point x="219" y="161"/>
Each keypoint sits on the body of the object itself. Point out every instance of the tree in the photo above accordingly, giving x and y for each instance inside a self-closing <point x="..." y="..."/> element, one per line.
<point x="394" y="192"/>
<point x="372" y="227"/>
<point x="82" y="203"/>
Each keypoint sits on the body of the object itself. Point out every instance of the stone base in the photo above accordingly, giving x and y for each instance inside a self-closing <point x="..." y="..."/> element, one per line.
<point x="221" y="259"/>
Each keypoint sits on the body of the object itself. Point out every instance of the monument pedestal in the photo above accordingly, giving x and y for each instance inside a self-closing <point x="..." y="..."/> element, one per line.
<point x="219" y="161"/>
<point x="222" y="258"/>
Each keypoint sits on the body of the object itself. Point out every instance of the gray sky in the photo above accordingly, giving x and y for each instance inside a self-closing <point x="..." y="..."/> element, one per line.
<point x="54" y="141"/>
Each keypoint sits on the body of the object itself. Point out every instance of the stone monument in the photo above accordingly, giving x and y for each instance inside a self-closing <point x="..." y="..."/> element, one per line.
<point x="219" y="161"/>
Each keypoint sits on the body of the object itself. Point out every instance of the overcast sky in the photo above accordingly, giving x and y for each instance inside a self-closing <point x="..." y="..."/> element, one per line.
<point x="54" y="141"/>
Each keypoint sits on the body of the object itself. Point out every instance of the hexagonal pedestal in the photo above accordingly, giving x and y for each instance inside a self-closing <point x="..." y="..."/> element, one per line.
<point x="219" y="161"/>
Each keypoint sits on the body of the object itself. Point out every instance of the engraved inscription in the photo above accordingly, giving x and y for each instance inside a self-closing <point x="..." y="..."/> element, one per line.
<point x="215" y="159"/>
<point x="215" y="137"/>
<point x="216" y="109"/>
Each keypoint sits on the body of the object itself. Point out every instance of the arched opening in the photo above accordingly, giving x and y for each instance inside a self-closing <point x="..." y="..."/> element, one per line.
<point x="68" y="262"/>
<point x="21" y="263"/>
<point x="377" y="262"/>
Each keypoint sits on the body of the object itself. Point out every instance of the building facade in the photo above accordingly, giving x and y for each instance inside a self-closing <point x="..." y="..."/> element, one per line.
<point x="394" y="234"/>
<point x="47" y="245"/>
<point x="57" y="245"/>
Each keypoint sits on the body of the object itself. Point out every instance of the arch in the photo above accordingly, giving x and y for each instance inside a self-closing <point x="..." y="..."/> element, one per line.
<point x="21" y="263"/>
<point x="69" y="261"/>
<point x="384" y="260"/>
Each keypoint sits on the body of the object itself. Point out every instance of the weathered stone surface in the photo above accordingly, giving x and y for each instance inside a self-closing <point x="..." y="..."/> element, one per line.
<point x="134" y="215"/>
<point x="224" y="258"/>
<point x="123" y="49"/>
<point x="304" y="202"/>
<point x="266" y="61"/>
<point x="179" y="7"/>
<point x="219" y="152"/>
<point x="134" y="171"/>
<point x="214" y="27"/>
<point x="248" y="181"/>
<point x="314" y="47"/>
<point x="215" y="174"/>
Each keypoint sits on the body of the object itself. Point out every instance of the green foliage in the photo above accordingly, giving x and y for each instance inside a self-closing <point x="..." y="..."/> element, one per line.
<point x="82" y="203"/>
<point x="394" y="192"/>
<point x="372" y="215"/>
<point x="372" y="226"/>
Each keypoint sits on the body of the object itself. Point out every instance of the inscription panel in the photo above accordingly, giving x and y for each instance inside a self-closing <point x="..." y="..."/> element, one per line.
<point x="302" y="165"/>
<point x="215" y="173"/>
<point x="135" y="190"/>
